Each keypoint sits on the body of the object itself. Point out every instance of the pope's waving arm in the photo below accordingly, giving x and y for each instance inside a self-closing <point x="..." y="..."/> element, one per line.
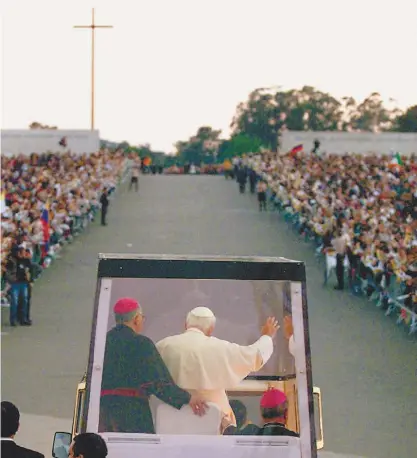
<point x="239" y="361"/>
<point x="264" y="345"/>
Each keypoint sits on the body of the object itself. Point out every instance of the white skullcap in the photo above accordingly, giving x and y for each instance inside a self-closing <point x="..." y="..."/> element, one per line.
<point x="202" y="312"/>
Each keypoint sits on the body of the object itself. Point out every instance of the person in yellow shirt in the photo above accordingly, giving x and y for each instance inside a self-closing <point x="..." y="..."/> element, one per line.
<point x="228" y="168"/>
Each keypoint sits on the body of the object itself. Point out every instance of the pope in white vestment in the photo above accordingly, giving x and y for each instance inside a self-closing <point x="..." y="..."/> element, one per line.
<point x="209" y="366"/>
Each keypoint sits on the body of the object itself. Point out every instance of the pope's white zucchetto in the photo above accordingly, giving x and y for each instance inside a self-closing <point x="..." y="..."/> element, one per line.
<point x="202" y="312"/>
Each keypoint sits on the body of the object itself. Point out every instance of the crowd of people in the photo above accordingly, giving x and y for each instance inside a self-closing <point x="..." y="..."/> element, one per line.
<point x="47" y="200"/>
<point x="362" y="209"/>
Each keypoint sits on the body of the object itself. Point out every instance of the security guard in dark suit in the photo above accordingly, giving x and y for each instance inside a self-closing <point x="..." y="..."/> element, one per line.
<point x="104" y="201"/>
<point x="10" y="418"/>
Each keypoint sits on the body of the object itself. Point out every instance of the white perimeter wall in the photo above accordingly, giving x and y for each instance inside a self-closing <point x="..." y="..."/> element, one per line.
<point x="352" y="142"/>
<point x="42" y="141"/>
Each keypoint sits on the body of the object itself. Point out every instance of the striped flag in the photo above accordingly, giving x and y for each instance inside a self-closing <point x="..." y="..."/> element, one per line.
<point x="45" y="227"/>
<point x="396" y="161"/>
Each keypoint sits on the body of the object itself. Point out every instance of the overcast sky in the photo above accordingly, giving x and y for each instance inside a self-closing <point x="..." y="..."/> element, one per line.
<point x="170" y="66"/>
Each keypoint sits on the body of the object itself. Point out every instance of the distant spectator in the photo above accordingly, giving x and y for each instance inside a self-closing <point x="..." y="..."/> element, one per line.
<point x="252" y="180"/>
<point x="33" y="270"/>
<point x="262" y="188"/>
<point x="242" y="177"/>
<point x="18" y="275"/>
<point x="135" y="172"/>
<point x="10" y="422"/>
<point x="340" y="244"/>
<point x="104" y="201"/>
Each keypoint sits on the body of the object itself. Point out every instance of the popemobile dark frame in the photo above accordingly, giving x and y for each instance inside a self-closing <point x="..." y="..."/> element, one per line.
<point x="200" y="267"/>
<point x="204" y="268"/>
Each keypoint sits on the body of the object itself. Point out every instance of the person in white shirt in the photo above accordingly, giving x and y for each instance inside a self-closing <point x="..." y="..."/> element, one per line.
<point x="207" y="366"/>
<point x="134" y="179"/>
<point x="340" y="243"/>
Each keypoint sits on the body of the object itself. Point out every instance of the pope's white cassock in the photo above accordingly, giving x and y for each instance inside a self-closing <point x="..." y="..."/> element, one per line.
<point x="210" y="366"/>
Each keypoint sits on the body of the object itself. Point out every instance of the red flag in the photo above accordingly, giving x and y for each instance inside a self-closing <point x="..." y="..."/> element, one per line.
<point x="296" y="150"/>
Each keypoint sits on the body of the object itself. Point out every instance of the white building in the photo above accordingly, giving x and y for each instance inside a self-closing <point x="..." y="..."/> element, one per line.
<point x="352" y="142"/>
<point x="28" y="141"/>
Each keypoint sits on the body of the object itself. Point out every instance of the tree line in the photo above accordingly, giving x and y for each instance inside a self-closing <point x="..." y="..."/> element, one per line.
<point x="268" y="112"/>
<point x="39" y="126"/>
<point x="260" y="120"/>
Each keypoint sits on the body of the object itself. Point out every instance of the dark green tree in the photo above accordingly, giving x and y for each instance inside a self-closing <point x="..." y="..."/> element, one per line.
<point x="124" y="146"/>
<point x="264" y="114"/>
<point x="259" y="117"/>
<point x="371" y="115"/>
<point x="237" y="145"/>
<point x="144" y="150"/>
<point x="407" y="122"/>
<point x="320" y="111"/>
<point x="200" y="148"/>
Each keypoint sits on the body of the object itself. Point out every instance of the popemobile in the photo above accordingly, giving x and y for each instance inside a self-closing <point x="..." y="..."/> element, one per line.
<point x="237" y="381"/>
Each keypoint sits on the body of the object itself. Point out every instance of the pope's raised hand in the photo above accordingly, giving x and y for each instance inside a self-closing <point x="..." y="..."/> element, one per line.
<point x="198" y="405"/>
<point x="270" y="327"/>
<point x="288" y="327"/>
